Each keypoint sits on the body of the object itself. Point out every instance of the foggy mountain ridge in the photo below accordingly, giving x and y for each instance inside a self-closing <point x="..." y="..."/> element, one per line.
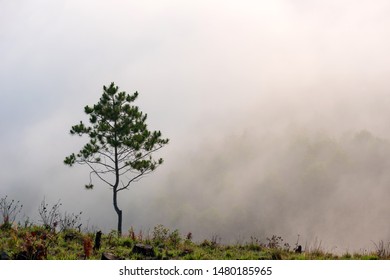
<point x="306" y="185"/>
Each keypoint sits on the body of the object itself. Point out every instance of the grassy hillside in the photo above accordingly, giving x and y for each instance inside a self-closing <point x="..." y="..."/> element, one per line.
<point x="40" y="242"/>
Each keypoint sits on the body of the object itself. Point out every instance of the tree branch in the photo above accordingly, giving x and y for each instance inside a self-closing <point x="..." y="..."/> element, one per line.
<point x="105" y="155"/>
<point x="108" y="167"/>
<point x="97" y="173"/>
<point x="146" y="154"/>
<point x="135" y="179"/>
<point x="132" y="180"/>
<point x="126" y="153"/>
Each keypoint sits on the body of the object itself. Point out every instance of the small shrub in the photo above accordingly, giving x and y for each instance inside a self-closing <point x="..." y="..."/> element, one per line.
<point x="160" y="235"/>
<point x="26" y="223"/>
<point x="276" y="255"/>
<point x="286" y="246"/>
<point x="215" y="240"/>
<point x="87" y="245"/>
<point x="140" y="236"/>
<point x="35" y="246"/>
<point x="213" y="244"/>
<point x="70" y="221"/>
<point x="205" y="243"/>
<point x="9" y="211"/>
<point x="127" y="243"/>
<point x="113" y="238"/>
<point x="255" y="244"/>
<point x="132" y="234"/>
<point x="50" y="217"/>
<point x="382" y="250"/>
<point x="174" y="238"/>
<point x="347" y="256"/>
<point x="274" y="242"/>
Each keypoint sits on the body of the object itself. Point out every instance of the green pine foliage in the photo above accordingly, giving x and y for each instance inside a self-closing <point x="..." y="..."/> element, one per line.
<point x="120" y="147"/>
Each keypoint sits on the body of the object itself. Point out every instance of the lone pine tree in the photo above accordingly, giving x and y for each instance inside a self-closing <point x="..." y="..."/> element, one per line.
<point x="120" y="147"/>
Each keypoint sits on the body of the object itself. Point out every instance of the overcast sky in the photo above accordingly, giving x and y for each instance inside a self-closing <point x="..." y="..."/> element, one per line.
<point x="235" y="85"/>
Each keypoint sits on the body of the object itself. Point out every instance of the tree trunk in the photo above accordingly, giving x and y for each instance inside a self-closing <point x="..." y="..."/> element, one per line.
<point x="115" y="188"/>
<point x="120" y="223"/>
<point x="118" y="212"/>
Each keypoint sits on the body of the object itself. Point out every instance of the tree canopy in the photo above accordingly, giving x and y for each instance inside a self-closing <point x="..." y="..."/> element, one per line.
<point x="120" y="148"/>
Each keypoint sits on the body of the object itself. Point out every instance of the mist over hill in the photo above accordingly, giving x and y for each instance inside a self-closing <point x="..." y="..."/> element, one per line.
<point x="277" y="113"/>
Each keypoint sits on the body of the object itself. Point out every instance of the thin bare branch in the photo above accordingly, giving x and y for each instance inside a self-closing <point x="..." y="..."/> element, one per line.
<point x="97" y="173"/>
<point x="135" y="179"/>
<point x="107" y="166"/>
<point x="125" y="154"/>
<point x="105" y="155"/>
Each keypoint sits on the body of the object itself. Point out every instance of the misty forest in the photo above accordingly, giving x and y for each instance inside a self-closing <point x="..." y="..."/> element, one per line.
<point x="260" y="130"/>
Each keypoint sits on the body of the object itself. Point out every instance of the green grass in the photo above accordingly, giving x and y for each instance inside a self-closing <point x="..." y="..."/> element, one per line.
<point x="38" y="242"/>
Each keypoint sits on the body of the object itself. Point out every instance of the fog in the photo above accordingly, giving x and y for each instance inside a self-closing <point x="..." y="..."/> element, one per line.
<point x="277" y="114"/>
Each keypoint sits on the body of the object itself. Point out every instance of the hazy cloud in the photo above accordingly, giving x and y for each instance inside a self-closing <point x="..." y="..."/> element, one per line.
<point x="264" y="102"/>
